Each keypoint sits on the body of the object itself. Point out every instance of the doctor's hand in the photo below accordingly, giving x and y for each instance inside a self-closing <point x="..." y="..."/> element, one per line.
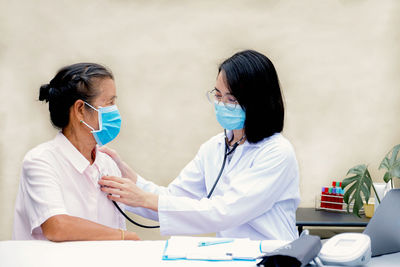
<point x="126" y="171"/>
<point x="126" y="191"/>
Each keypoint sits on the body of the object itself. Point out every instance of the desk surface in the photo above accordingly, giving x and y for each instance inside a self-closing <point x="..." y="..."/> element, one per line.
<point x="313" y="217"/>
<point x="113" y="253"/>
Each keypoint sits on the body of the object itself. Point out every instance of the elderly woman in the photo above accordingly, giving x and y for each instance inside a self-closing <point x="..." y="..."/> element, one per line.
<point x="59" y="197"/>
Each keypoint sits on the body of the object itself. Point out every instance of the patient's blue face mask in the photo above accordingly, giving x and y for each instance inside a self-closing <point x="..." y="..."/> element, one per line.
<point x="230" y="119"/>
<point x="109" y="124"/>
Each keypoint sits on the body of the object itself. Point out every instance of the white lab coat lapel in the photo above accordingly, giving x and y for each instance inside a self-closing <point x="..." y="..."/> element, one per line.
<point x="237" y="154"/>
<point x="217" y="160"/>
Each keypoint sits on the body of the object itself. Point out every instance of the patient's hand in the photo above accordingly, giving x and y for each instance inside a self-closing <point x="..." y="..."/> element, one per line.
<point x="126" y="171"/>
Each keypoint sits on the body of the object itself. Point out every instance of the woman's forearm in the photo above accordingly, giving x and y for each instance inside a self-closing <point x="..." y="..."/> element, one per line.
<point x="151" y="201"/>
<point x="69" y="228"/>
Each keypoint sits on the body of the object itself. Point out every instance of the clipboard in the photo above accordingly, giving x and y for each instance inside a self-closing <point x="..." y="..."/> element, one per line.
<point x="217" y="249"/>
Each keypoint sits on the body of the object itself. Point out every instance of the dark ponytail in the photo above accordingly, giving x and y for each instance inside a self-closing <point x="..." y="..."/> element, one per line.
<point x="44" y="92"/>
<point x="70" y="84"/>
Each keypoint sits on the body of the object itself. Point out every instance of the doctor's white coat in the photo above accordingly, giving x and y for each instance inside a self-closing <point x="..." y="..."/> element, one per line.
<point x="256" y="196"/>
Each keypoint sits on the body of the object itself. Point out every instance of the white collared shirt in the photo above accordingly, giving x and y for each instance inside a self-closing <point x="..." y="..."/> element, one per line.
<point x="57" y="179"/>
<point x="256" y="196"/>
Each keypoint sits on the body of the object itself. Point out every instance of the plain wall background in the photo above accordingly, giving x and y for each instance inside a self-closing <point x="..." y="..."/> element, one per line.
<point x="338" y="63"/>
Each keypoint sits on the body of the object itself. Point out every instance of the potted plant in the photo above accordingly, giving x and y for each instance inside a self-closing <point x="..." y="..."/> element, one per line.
<point x="358" y="186"/>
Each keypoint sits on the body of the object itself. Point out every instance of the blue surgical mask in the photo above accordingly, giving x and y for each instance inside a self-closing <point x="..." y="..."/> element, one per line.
<point x="109" y="124"/>
<point x="230" y="119"/>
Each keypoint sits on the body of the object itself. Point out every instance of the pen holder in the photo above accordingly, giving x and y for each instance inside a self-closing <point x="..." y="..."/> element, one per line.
<point x="369" y="210"/>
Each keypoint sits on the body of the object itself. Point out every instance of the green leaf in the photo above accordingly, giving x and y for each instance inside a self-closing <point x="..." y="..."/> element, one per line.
<point x="387" y="177"/>
<point x="358" y="204"/>
<point x="385" y="164"/>
<point x="359" y="187"/>
<point x="347" y="194"/>
<point x="395" y="152"/>
<point x="349" y="180"/>
<point x="366" y="192"/>
<point x="359" y="169"/>
<point x="391" y="163"/>
<point x="396" y="171"/>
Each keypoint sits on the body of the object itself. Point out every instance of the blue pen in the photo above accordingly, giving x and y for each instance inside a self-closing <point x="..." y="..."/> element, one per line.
<point x="216" y="242"/>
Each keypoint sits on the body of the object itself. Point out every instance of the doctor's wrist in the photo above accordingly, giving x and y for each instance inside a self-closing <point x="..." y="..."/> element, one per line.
<point x="150" y="201"/>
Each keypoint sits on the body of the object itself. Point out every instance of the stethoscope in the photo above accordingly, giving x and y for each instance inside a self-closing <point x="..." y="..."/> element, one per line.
<point x="226" y="154"/>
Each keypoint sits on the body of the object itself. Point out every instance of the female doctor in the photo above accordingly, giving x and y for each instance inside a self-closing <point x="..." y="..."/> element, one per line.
<point x="243" y="182"/>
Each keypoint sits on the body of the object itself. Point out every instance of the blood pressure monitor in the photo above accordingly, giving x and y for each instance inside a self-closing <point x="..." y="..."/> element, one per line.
<point x="346" y="249"/>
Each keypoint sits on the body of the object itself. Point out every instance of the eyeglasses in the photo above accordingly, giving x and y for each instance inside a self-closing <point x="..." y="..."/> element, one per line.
<point x="215" y="96"/>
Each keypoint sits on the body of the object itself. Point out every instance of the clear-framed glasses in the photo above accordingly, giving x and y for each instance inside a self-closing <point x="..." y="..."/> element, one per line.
<point x="229" y="101"/>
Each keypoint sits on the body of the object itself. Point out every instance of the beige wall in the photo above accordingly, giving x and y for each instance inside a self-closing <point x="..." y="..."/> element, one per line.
<point x="338" y="63"/>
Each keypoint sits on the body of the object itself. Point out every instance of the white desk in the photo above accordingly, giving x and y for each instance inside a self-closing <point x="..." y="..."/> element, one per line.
<point x="112" y="253"/>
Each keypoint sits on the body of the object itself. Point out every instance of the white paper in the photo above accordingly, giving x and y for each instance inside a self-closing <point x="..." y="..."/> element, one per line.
<point x="184" y="247"/>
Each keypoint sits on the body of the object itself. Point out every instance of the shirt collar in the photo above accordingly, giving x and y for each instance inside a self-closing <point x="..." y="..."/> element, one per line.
<point x="72" y="154"/>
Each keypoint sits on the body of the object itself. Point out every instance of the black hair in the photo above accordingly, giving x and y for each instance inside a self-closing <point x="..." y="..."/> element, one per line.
<point x="253" y="81"/>
<point x="71" y="83"/>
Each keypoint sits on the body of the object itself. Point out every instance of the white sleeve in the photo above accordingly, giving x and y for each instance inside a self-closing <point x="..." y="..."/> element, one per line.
<point x="190" y="183"/>
<point x="148" y="187"/>
<point x="42" y="195"/>
<point x="272" y="178"/>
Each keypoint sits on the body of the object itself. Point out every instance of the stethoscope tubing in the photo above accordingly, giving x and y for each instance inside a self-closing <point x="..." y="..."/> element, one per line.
<point x="222" y="167"/>
<point x="226" y="154"/>
<point x="132" y="221"/>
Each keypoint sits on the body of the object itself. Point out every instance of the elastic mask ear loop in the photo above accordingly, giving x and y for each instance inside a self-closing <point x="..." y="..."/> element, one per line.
<point x="90" y="127"/>
<point x="91" y="106"/>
